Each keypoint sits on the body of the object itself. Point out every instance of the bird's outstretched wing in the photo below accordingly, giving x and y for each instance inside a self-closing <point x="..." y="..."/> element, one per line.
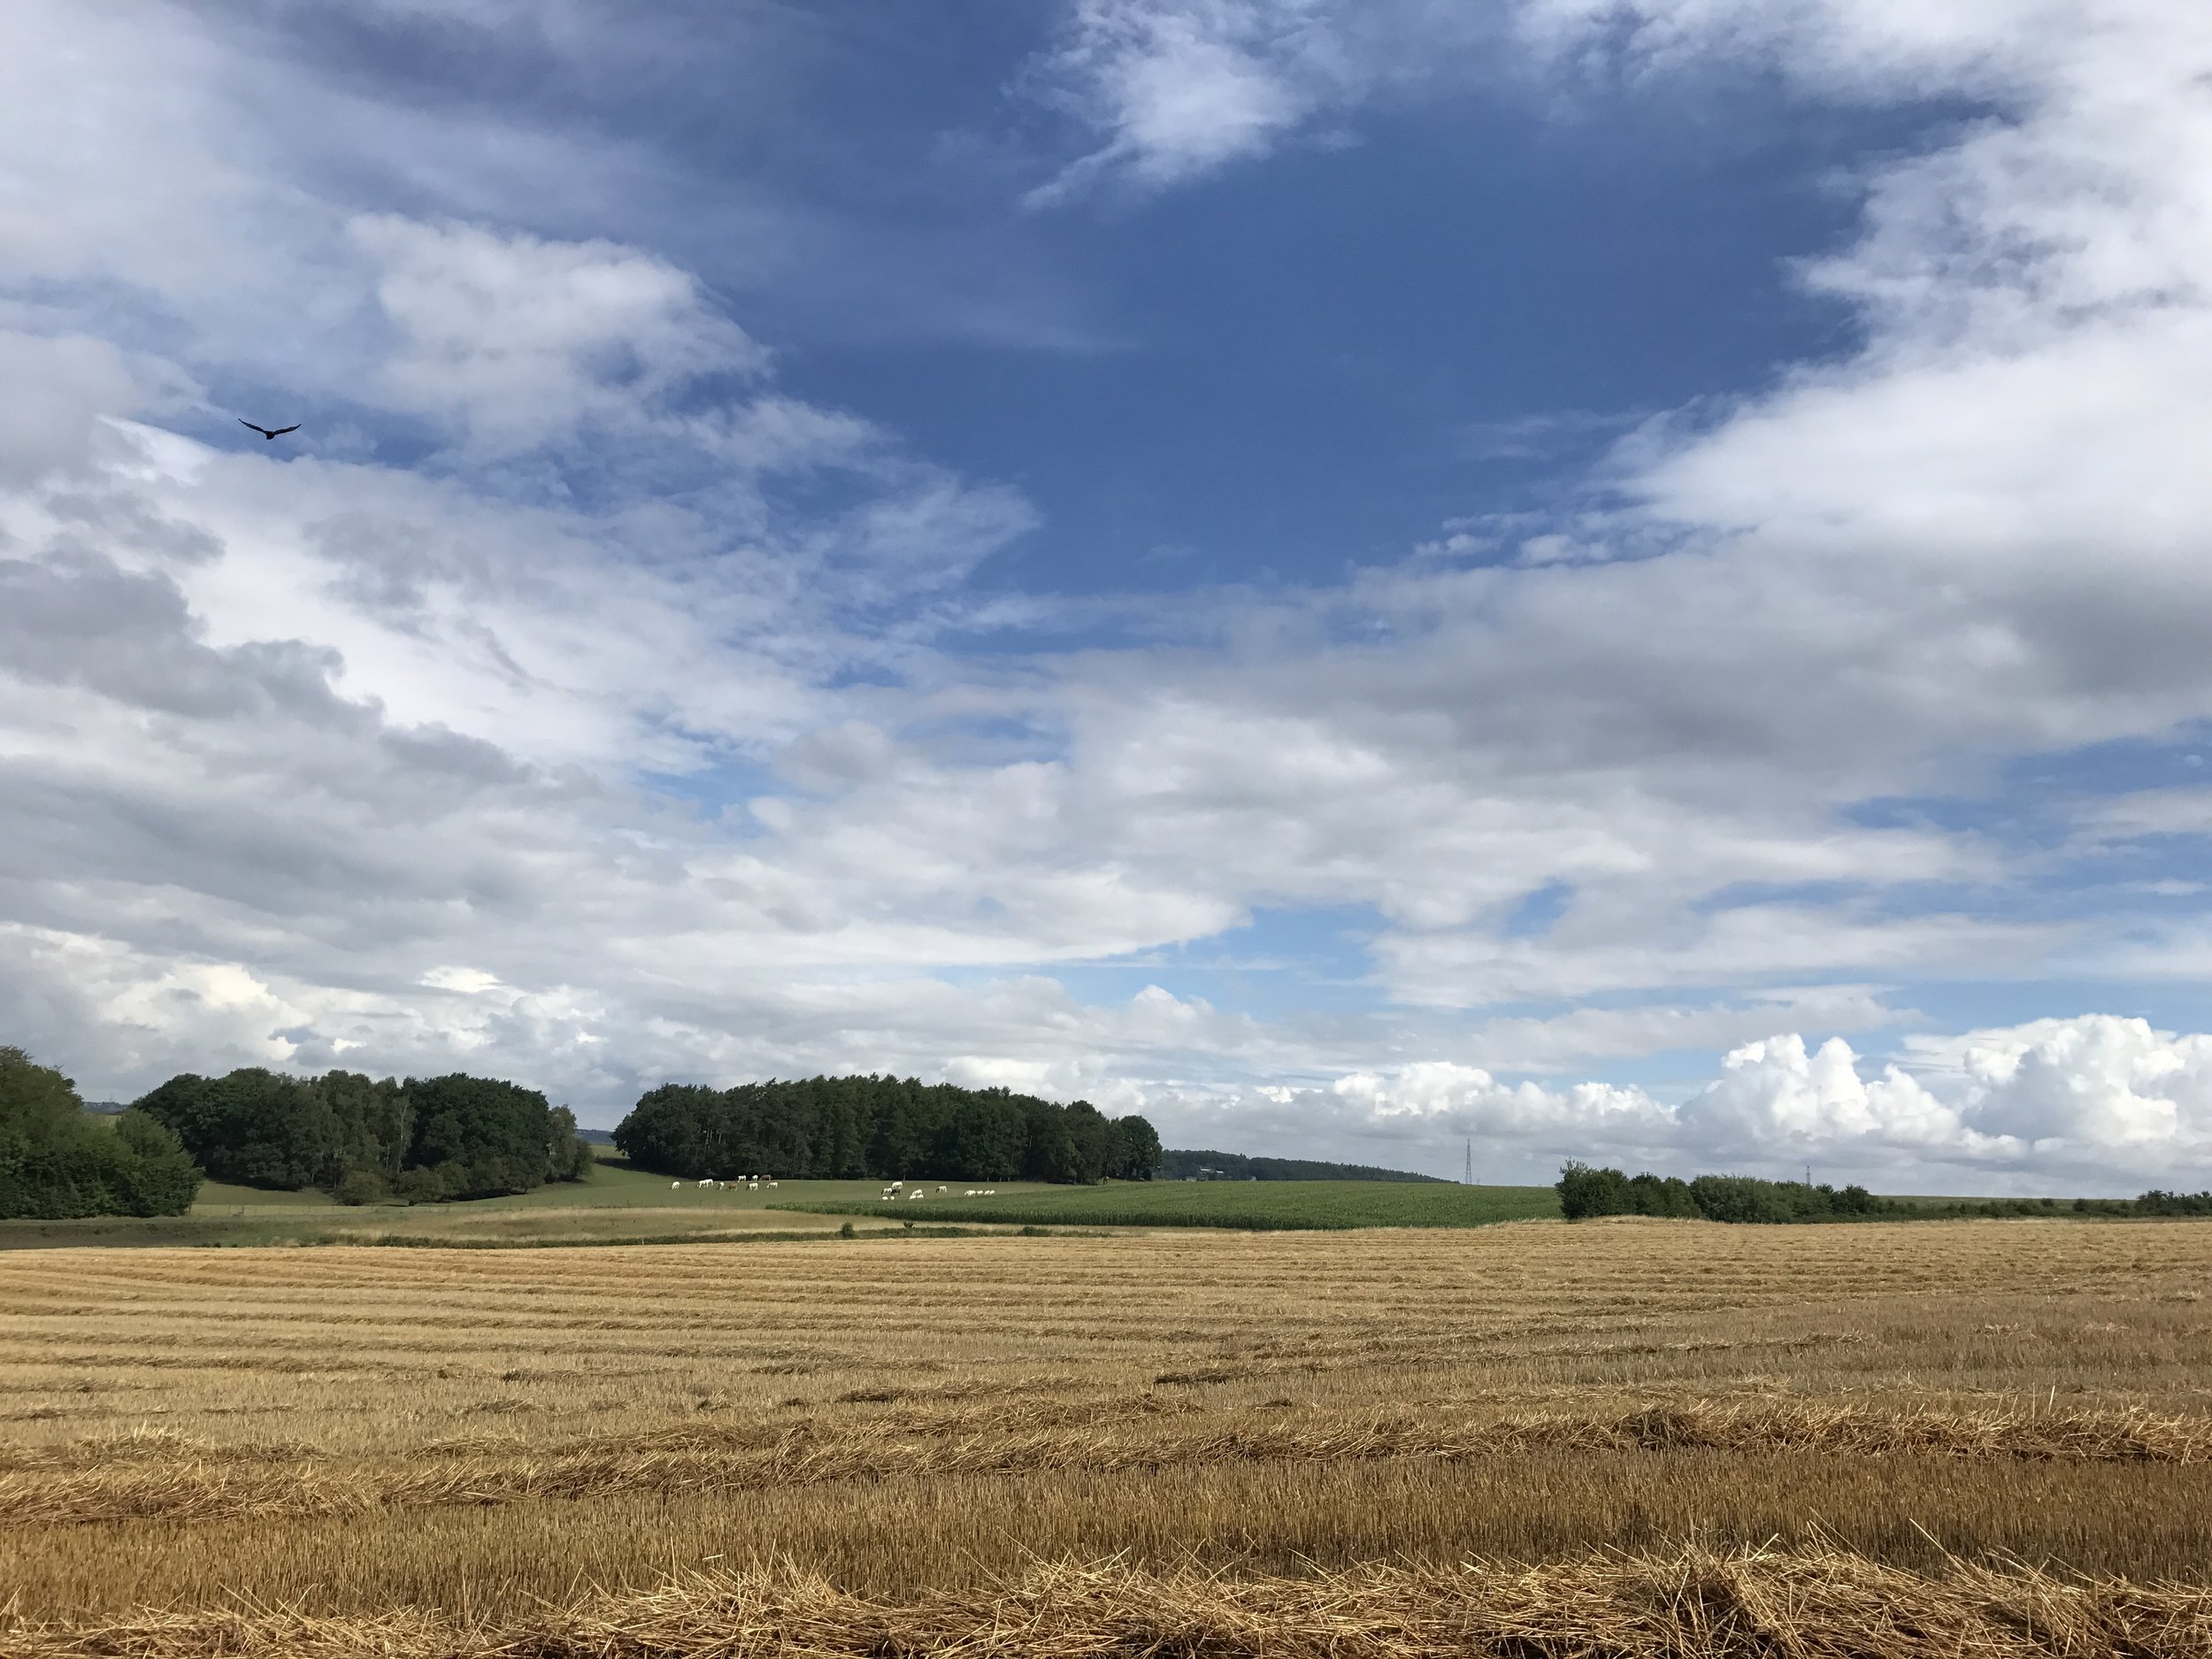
<point x="281" y="430"/>
<point x="248" y="424"/>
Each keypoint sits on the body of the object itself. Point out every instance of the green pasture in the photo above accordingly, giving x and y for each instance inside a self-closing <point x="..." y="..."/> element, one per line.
<point x="1249" y="1205"/>
<point x="621" y="1204"/>
<point x="614" y="1184"/>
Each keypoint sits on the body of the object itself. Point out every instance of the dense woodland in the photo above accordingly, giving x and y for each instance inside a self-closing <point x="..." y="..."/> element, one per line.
<point x="57" y="1163"/>
<point x="829" y="1128"/>
<point x="422" y="1140"/>
<point x="1177" y="1164"/>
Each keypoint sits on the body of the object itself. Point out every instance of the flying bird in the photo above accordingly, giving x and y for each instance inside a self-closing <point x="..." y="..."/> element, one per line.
<point x="265" y="431"/>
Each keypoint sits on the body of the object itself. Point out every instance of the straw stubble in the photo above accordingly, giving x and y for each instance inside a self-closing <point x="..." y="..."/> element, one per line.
<point x="919" y="1425"/>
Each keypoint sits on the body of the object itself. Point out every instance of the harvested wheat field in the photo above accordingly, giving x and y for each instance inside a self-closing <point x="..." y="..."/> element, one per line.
<point x="1619" y="1437"/>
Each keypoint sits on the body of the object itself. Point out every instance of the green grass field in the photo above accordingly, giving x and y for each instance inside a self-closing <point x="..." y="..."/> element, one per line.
<point x="1250" y="1205"/>
<point x="221" y="1198"/>
<point x="621" y="1204"/>
<point x="614" y="1184"/>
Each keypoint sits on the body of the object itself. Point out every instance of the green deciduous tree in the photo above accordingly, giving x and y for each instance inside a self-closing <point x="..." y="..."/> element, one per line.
<point x="365" y="1139"/>
<point x="893" y="1128"/>
<point x="38" y="1105"/>
<point x="252" y="1127"/>
<point x="56" y="1163"/>
<point x="1136" y="1154"/>
<point x="1584" y="1192"/>
<point x="482" y="1136"/>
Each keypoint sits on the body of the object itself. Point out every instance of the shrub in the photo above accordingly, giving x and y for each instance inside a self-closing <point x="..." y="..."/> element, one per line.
<point x="56" y="1165"/>
<point x="1740" y="1198"/>
<point x="426" y="1185"/>
<point x="360" y="1186"/>
<point x="1584" y="1192"/>
<point x="568" y="1155"/>
<point x="166" y="1180"/>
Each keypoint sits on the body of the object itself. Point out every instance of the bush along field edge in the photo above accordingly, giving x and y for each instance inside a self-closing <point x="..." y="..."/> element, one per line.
<point x="1586" y="1192"/>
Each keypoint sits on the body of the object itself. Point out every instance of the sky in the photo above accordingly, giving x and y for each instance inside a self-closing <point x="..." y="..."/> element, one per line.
<point x="1628" y="580"/>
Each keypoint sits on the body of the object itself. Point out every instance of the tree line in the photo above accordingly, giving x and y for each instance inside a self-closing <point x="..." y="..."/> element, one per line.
<point x="842" y="1128"/>
<point x="1584" y="1192"/>
<point x="361" y="1139"/>
<point x="57" y="1162"/>
<point x="2156" y="1204"/>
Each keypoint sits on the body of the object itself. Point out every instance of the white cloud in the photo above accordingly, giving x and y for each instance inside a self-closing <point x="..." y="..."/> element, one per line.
<point x="1580" y="1037"/>
<point x="1775" y="1095"/>
<point x="515" y="341"/>
<point x="321" y="756"/>
<point x="58" y="387"/>
<point x="1738" y="946"/>
<point x="2097" y="1095"/>
<point x="2140" y="813"/>
<point x="1182" y="86"/>
<point x="2096" y="1102"/>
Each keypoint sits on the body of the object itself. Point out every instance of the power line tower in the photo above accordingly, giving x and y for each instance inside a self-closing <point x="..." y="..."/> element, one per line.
<point x="1469" y="1181"/>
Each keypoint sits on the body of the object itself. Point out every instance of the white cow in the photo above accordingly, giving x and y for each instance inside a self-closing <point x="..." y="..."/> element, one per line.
<point x="918" y="1196"/>
<point x="675" y="1186"/>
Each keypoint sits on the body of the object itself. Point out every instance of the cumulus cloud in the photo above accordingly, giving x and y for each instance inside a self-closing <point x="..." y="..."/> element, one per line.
<point x="2099" y="1100"/>
<point x="669" y="755"/>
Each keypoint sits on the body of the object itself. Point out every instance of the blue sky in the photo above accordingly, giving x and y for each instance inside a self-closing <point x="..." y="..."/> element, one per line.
<point x="1620" y="581"/>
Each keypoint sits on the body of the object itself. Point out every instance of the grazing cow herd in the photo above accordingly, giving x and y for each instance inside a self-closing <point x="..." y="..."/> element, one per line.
<point x="897" y="1189"/>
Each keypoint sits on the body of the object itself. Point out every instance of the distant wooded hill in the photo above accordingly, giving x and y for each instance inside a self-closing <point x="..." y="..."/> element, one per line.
<point x="1235" y="1166"/>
